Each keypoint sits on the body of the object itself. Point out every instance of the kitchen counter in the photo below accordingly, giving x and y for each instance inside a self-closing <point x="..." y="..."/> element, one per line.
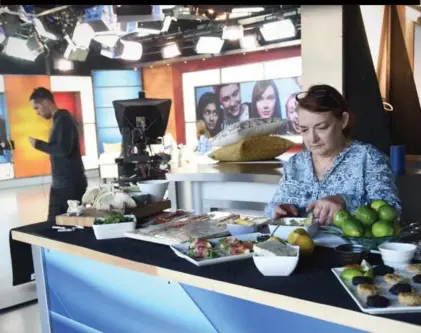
<point x="250" y="186"/>
<point x="269" y="172"/>
<point x="116" y="285"/>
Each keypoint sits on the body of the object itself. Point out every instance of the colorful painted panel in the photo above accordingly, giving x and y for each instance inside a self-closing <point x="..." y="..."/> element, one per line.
<point x="4" y="129"/>
<point x="24" y="123"/>
<point x="71" y="101"/>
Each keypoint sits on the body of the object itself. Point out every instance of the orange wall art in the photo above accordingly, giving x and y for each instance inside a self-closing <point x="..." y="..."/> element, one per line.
<point x="25" y="123"/>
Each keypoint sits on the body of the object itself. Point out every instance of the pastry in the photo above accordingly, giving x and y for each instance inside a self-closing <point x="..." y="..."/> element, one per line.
<point x="409" y="299"/>
<point x="392" y="279"/>
<point x="400" y="288"/>
<point x="377" y="301"/>
<point x="357" y="280"/>
<point x="416" y="278"/>
<point x="367" y="290"/>
<point x="414" y="268"/>
<point x="382" y="270"/>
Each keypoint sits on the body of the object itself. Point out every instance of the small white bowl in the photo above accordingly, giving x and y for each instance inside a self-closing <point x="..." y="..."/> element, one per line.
<point x="277" y="266"/>
<point x="156" y="188"/>
<point x="397" y="254"/>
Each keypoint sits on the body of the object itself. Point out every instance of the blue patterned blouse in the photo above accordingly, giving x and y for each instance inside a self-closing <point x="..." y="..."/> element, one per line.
<point x="360" y="174"/>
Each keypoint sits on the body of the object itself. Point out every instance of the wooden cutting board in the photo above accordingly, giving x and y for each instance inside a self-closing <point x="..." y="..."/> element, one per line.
<point x="88" y="218"/>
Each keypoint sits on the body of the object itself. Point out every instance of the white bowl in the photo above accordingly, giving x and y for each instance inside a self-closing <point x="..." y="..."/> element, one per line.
<point x="284" y="230"/>
<point x="396" y="254"/>
<point x="156" y="188"/>
<point x="277" y="266"/>
<point x="114" y="230"/>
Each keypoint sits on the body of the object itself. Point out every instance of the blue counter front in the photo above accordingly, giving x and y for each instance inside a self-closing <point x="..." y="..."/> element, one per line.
<point x="128" y="286"/>
<point x="85" y="296"/>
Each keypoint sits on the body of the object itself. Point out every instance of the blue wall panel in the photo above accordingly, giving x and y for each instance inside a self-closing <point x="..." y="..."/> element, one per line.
<point x="108" y="87"/>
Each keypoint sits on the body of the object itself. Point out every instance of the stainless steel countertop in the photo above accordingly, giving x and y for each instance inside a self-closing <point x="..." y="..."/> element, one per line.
<point x="269" y="173"/>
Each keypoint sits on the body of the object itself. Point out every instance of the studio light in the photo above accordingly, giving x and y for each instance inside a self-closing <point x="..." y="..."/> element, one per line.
<point x="209" y="45"/>
<point x="249" y="42"/>
<point x="40" y="29"/>
<point x="122" y="49"/>
<point x="73" y="52"/>
<point x="278" y="30"/>
<point x="232" y="32"/>
<point x="63" y="65"/>
<point x="247" y="10"/>
<point x="132" y="51"/>
<point x="26" y="49"/>
<point x="170" y="51"/>
<point x="85" y="32"/>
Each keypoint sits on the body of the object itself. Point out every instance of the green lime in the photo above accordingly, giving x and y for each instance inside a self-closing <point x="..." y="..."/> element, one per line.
<point x="388" y="213"/>
<point x="396" y="229"/>
<point x="367" y="233"/>
<point x="340" y="216"/>
<point x="352" y="228"/>
<point x="382" y="229"/>
<point x="369" y="273"/>
<point x="349" y="273"/>
<point x="376" y="204"/>
<point x="366" y="215"/>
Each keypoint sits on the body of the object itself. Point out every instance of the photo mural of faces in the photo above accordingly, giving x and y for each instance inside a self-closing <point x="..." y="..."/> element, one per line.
<point x="222" y="105"/>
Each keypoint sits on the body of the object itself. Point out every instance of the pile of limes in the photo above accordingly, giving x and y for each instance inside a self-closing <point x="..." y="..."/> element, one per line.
<point x="374" y="221"/>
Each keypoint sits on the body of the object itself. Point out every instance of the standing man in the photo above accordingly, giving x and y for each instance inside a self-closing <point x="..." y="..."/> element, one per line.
<point x="67" y="170"/>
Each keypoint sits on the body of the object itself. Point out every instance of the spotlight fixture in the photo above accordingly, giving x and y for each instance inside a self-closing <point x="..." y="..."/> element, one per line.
<point x="132" y="51"/>
<point x="73" y="52"/>
<point x="209" y="45"/>
<point x="63" y="65"/>
<point x="249" y="42"/>
<point x="232" y="32"/>
<point x="85" y="32"/>
<point x="278" y="30"/>
<point x="41" y="30"/>
<point x="170" y="51"/>
<point x="26" y="49"/>
<point x="122" y="49"/>
<point x="247" y="10"/>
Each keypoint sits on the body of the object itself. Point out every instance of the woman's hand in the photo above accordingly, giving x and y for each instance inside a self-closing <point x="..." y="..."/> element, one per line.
<point x="285" y="210"/>
<point x="325" y="209"/>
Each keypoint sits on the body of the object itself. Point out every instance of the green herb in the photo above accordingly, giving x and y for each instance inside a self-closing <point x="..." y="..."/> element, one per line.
<point x="114" y="218"/>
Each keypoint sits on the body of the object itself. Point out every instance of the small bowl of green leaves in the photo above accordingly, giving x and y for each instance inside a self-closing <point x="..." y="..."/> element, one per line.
<point x="114" y="226"/>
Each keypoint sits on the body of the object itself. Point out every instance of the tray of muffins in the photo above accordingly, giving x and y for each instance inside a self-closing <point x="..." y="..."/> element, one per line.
<point x="382" y="289"/>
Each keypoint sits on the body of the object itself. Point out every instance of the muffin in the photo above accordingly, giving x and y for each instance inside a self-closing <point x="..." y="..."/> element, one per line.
<point x="414" y="268"/>
<point x="409" y="299"/>
<point x="392" y="279"/>
<point x="367" y="290"/>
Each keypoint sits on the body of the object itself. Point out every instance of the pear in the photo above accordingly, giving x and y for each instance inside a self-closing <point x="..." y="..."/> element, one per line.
<point x="302" y="239"/>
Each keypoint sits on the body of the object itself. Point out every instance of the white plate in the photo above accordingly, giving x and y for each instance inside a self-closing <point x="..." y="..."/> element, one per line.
<point x="394" y="306"/>
<point x="150" y="232"/>
<point x="181" y="250"/>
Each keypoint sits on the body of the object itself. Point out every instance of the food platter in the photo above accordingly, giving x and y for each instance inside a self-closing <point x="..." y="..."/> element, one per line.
<point x="181" y="250"/>
<point x="183" y="228"/>
<point x="383" y="287"/>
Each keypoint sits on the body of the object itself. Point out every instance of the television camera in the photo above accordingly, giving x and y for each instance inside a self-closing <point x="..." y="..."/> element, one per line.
<point x="142" y="123"/>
